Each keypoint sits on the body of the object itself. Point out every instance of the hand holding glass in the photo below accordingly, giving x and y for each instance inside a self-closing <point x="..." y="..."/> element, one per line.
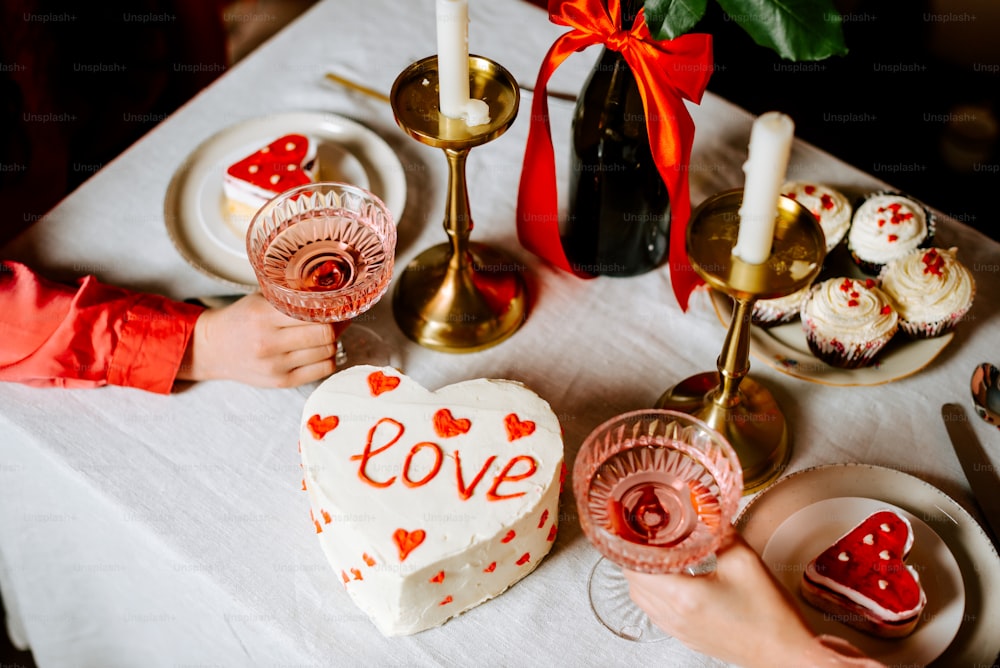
<point x="656" y="491"/>
<point x="324" y="252"/>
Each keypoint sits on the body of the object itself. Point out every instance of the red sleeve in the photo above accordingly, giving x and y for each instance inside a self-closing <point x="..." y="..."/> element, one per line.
<point x="56" y="335"/>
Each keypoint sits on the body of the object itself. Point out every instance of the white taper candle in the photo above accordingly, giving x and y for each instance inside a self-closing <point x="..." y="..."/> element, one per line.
<point x="453" y="56"/>
<point x="767" y="162"/>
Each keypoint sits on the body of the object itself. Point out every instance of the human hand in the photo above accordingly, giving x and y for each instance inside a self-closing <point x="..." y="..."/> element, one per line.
<point x="252" y="342"/>
<point x="738" y="613"/>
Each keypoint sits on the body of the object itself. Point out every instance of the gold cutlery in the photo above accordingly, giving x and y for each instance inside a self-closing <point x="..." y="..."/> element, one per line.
<point x="371" y="92"/>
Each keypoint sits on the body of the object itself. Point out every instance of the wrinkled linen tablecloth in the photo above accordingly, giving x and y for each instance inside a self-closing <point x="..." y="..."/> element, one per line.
<point x="143" y="530"/>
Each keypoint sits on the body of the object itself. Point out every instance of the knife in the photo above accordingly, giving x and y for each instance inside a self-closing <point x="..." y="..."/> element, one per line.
<point x="979" y="470"/>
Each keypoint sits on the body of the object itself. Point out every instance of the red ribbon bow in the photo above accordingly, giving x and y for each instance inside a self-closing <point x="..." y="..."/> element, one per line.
<point x="667" y="73"/>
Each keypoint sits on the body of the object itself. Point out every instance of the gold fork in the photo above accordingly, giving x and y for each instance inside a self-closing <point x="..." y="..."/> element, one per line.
<point x="371" y="92"/>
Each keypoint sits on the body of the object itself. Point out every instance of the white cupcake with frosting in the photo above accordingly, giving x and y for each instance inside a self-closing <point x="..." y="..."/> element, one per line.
<point x="930" y="289"/>
<point x="832" y="209"/>
<point x="887" y="226"/>
<point x="847" y="322"/>
<point x="779" y="310"/>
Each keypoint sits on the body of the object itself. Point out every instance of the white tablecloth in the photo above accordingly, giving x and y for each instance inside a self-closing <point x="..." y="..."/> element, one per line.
<point x="144" y="530"/>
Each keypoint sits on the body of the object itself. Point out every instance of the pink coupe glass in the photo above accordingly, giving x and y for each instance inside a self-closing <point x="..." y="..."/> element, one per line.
<point x="656" y="491"/>
<point x="324" y="252"/>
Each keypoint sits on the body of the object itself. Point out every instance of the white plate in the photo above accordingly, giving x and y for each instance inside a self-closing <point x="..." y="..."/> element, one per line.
<point x="976" y="641"/>
<point x="784" y="348"/>
<point x="810" y="530"/>
<point x="194" y="209"/>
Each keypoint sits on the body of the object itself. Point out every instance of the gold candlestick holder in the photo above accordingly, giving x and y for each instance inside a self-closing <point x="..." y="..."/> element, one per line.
<point x="458" y="296"/>
<point x="739" y="407"/>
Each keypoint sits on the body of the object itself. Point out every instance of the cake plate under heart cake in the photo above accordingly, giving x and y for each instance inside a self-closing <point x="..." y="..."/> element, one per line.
<point x="459" y="296"/>
<point x="743" y="410"/>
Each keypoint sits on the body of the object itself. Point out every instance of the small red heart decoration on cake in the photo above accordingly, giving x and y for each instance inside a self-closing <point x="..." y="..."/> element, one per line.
<point x="447" y="426"/>
<point x="864" y="580"/>
<point x="517" y="428"/>
<point x="459" y="486"/>
<point x="321" y="426"/>
<point x="380" y="383"/>
<point x="407" y="541"/>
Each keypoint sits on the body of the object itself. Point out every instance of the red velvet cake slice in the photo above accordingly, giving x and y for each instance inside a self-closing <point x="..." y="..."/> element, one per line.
<point x="863" y="580"/>
<point x="288" y="161"/>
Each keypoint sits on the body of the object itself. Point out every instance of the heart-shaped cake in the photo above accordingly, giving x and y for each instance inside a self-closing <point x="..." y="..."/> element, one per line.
<point x="248" y="183"/>
<point x="863" y="580"/>
<point x="428" y="503"/>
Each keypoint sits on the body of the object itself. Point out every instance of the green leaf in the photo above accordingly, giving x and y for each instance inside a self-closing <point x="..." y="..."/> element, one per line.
<point x="668" y="19"/>
<point x="794" y="29"/>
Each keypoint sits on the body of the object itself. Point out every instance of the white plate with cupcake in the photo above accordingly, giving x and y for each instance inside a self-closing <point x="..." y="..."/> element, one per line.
<point x="213" y="195"/>
<point x="807" y="513"/>
<point x="871" y="318"/>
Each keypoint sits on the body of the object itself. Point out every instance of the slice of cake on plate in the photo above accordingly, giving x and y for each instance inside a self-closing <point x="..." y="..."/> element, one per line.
<point x="286" y="162"/>
<point x="863" y="581"/>
<point x="427" y="504"/>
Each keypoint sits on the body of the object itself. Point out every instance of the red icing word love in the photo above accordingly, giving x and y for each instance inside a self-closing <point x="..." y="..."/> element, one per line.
<point x="465" y="491"/>
<point x="447" y="426"/>
<point x="321" y="426"/>
<point x="407" y="541"/>
<point x="380" y="383"/>
<point x="516" y="428"/>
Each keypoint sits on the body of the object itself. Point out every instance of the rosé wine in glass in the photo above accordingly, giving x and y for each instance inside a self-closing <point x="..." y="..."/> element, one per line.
<point x="324" y="252"/>
<point x="656" y="491"/>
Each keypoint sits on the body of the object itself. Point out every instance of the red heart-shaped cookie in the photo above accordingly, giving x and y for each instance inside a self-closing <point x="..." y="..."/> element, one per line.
<point x="276" y="167"/>
<point x="870" y="559"/>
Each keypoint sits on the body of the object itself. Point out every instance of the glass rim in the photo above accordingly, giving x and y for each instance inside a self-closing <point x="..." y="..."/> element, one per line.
<point x="323" y="187"/>
<point x="646" y="556"/>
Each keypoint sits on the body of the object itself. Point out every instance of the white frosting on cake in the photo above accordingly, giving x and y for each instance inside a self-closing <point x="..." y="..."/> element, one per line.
<point x="850" y="311"/>
<point x="929" y="285"/>
<point x="885" y="227"/>
<point x="831" y="208"/>
<point x="428" y="503"/>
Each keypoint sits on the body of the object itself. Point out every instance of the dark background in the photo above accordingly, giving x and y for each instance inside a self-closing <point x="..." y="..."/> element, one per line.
<point x="914" y="102"/>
